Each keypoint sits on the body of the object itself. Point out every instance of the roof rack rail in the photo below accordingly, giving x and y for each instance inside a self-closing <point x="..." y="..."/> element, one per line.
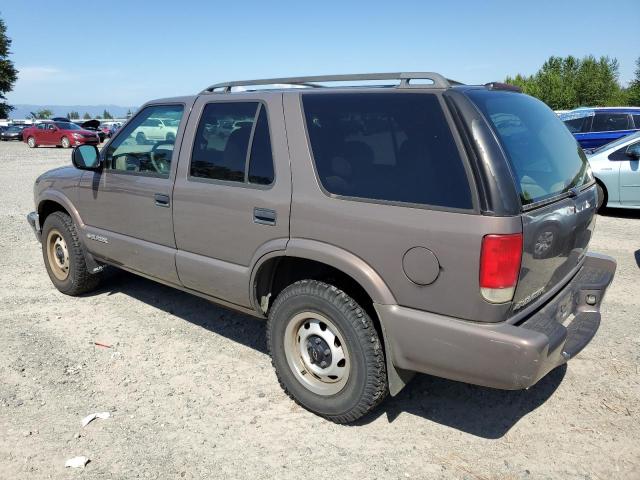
<point x="438" y="81"/>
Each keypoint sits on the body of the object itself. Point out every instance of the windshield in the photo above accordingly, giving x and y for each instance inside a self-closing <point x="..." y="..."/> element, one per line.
<point x="545" y="158"/>
<point x="67" y="126"/>
<point x="615" y="143"/>
<point x="14" y="129"/>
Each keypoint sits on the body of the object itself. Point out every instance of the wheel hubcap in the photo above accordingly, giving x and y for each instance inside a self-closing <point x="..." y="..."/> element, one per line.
<point x="316" y="353"/>
<point x="58" y="255"/>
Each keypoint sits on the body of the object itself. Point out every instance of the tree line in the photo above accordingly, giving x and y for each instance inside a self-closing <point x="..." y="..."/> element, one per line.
<point x="565" y="83"/>
<point x="45" y="113"/>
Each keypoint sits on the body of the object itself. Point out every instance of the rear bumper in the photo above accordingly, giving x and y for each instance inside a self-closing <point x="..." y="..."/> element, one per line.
<point x="502" y="355"/>
<point x="34" y="221"/>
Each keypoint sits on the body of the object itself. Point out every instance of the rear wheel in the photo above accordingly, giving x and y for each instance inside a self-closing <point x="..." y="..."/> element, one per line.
<point x="141" y="139"/>
<point x="65" y="142"/>
<point x="326" y="351"/>
<point x="31" y="141"/>
<point x="64" y="256"/>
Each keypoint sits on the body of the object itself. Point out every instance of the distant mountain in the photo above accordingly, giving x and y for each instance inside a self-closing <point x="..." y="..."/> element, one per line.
<point x="24" y="110"/>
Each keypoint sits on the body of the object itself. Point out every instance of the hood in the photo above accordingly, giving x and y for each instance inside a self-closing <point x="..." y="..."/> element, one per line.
<point x="91" y="124"/>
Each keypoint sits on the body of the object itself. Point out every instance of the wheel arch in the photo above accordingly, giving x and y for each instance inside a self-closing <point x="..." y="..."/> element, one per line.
<point x="308" y="259"/>
<point x="52" y="201"/>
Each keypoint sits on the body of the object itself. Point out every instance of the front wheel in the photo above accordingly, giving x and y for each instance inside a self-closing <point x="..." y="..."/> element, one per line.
<point x="32" y="142"/>
<point x="65" y="142"/>
<point x="326" y="352"/>
<point x="602" y="196"/>
<point x="64" y="256"/>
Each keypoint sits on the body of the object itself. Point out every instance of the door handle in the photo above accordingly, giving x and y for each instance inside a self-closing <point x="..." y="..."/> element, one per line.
<point x="162" y="200"/>
<point x="264" y="216"/>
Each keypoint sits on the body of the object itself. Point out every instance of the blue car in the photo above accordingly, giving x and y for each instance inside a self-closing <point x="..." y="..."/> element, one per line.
<point x="594" y="127"/>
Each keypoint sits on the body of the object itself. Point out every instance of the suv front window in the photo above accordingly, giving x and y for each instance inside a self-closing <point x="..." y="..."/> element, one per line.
<point x="544" y="156"/>
<point x="142" y="147"/>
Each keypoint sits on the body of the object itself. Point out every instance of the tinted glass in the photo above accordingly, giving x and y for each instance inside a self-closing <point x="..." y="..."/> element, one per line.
<point x="545" y="158"/>
<point x="636" y="120"/>
<point x="222" y="140"/>
<point x="386" y="146"/>
<point x="142" y="149"/>
<point x="608" y="122"/>
<point x="576" y="125"/>
<point x="261" y="160"/>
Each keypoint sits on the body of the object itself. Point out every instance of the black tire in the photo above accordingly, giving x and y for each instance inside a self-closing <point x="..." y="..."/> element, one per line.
<point x="65" y="142"/>
<point x="602" y="196"/>
<point x="78" y="279"/>
<point x="31" y="141"/>
<point x="141" y="138"/>
<point x="366" y="384"/>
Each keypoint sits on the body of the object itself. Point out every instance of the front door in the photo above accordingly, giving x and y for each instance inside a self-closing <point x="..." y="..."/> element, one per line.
<point x="630" y="176"/>
<point x="232" y="193"/>
<point x="127" y="207"/>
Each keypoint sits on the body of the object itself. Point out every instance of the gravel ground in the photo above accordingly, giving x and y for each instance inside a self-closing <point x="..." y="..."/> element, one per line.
<point x="192" y="393"/>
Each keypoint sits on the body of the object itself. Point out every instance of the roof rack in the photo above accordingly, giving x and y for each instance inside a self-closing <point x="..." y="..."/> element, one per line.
<point x="438" y="81"/>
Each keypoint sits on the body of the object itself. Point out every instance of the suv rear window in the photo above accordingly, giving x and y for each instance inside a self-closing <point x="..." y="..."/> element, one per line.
<point x="386" y="146"/>
<point x="545" y="158"/>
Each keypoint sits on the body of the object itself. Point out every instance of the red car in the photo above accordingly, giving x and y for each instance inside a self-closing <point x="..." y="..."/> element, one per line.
<point x="60" y="134"/>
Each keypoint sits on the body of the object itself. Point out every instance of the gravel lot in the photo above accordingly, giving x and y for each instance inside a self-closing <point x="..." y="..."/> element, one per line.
<point x="192" y="393"/>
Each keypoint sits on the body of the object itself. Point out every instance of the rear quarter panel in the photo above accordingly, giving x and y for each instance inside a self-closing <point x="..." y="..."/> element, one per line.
<point x="380" y="234"/>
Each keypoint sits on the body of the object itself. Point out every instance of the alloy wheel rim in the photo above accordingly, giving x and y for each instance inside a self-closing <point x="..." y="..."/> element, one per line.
<point x="316" y="353"/>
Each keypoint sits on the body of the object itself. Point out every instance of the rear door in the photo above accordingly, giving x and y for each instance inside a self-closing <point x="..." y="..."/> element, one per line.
<point x="232" y="193"/>
<point x="608" y="126"/>
<point x="556" y="187"/>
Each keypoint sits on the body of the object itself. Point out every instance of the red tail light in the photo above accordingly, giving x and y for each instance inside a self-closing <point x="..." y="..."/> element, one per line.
<point x="500" y="266"/>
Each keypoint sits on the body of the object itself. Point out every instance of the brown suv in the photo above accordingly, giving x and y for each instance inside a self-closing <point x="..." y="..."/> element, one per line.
<point x="416" y="225"/>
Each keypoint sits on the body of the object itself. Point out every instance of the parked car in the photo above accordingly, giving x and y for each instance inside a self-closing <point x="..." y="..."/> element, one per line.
<point x="156" y="129"/>
<point x="594" y="127"/>
<point x="13" y="132"/>
<point x="61" y="134"/>
<point x="94" y="126"/>
<point x="616" y="167"/>
<point x="108" y="129"/>
<point x="381" y="231"/>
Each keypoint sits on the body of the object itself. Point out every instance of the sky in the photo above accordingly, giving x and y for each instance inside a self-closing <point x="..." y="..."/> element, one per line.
<point x="127" y="52"/>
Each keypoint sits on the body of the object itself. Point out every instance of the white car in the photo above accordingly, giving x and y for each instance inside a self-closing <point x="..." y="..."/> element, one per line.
<point x="617" y="171"/>
<point x="156" y="129"/>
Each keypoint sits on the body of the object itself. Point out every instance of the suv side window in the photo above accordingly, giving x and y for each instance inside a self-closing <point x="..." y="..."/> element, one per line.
<point x="636" y="120"/>
<point x="133" y="151"/>
<point x="609" y="122"/>
<point x="221" y="147"/>
<point x="577" y="125"/>
<point x="385" y="146"/>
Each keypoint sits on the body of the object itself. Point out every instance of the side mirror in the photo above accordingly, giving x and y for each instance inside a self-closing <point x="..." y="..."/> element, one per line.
<point x="86" y="157"/>
<point x="633" y="151"/>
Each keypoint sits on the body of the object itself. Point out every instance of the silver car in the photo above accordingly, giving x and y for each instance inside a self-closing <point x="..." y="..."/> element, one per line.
<point x="617" y="171"/>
